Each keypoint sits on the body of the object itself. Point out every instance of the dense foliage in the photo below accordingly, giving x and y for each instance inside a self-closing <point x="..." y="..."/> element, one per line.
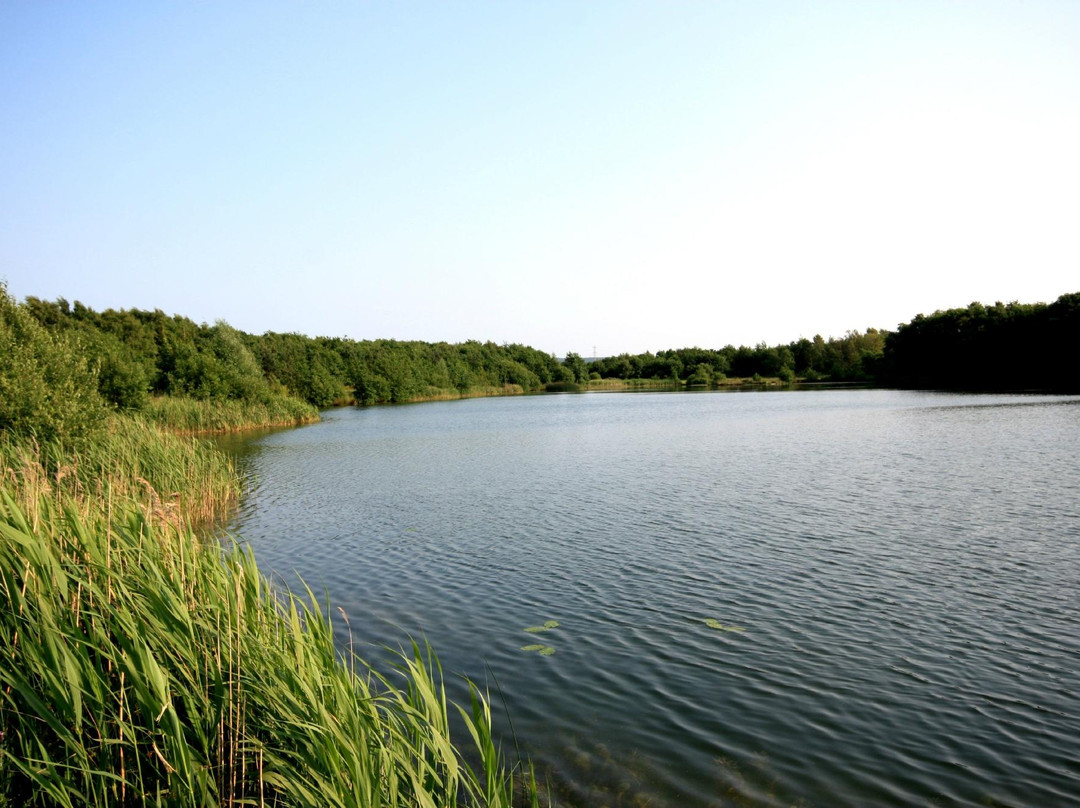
<point x="141" y="353"/>
<point x="1014" y="346"/>
<point x="388" y="370"/>
<point x="47" y="389"/>
<point x="853" y="357"/>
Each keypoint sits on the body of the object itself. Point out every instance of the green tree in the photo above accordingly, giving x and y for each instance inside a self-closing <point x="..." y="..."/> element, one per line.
<point x="47" y="389"/>
<point x="577" y="366"/>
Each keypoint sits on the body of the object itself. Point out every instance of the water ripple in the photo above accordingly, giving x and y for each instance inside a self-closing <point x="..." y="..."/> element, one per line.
<point x="905" y="569"/>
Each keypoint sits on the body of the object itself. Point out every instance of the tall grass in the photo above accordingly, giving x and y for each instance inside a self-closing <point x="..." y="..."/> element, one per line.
<point x="174" y="478"/>
<point x="476" y="391"/>
<point x="190" y="416"/>
<point x="139" y="667"/>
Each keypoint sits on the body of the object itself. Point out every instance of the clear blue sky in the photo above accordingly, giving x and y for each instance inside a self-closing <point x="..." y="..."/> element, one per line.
<point x="626" y="175"/>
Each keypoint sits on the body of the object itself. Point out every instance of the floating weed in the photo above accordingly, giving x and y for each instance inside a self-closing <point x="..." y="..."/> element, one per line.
<point x="542" y="650"/>
<point x="712" y="623"/>
<point x="548" y="626"/>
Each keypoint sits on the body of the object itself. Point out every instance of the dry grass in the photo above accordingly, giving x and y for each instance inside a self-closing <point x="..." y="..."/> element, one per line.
<point x="174" y="478"/>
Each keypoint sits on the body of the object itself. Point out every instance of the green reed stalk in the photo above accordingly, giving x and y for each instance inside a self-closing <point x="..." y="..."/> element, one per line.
<point x="189" y="415"/>
<point x="139" y="666"/>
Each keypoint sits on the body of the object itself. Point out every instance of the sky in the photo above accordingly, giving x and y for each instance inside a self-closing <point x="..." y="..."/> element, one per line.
<point x="597" y="177"/>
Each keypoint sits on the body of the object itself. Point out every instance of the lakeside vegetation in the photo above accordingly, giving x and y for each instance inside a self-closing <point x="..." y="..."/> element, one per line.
<point x="1015" y="346"/>
<point x="144" y="358"/>
<point x="141" y="667"/>
<point x="142" y="664"/>
<point x="998" y="347"/>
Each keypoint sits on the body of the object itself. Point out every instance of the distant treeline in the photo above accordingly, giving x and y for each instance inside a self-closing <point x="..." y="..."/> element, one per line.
<point x="1013" y="346"/>
<point x="142" y="353"/>
<point x="853" y="357"/>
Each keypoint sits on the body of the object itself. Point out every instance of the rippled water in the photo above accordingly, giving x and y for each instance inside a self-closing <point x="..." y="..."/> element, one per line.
<point x="905" y="569"/>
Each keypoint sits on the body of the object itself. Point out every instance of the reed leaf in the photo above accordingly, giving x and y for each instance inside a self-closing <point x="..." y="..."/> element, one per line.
<point x="140" y="665"/>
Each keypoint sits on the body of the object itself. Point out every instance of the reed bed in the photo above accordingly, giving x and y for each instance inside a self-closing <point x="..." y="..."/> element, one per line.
<point x="479" y="391"/>
<point x="201" y="416"/>
<point x="141" y="667"/>
<point x="173" y="477"/>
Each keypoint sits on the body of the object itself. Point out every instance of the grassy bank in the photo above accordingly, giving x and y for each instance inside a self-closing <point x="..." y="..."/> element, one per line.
<point x="205" y="416"/>
<point x="140" y="666"/>
<point x="630" y="384"/>
<point x="443" y="394"/>
<point x="671" y="384"/>
<point x="482" y="391"/>
<point x="130" y="461"/>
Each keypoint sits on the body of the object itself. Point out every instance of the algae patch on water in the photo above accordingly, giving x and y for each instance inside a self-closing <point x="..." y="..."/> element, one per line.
<point x="716" y="624"/>
<point x="542" y="650"/>
<point x="548" y="626"/>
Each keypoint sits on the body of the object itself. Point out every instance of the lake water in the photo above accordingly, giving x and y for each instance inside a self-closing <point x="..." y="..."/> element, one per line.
<point x="891" y="580"/>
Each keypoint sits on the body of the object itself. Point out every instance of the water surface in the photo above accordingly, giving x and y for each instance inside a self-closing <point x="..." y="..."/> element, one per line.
<point x="891" y="581"/>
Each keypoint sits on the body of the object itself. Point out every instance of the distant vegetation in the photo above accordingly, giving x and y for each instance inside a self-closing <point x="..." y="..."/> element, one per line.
<point x="1017" y="346"/>
<point x="140" y="356"/>
<point x="1000" y="347"/>
<point x="854" y="357"/>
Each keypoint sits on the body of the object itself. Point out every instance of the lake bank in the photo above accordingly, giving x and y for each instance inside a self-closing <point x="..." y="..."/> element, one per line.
<point x="138" y="658"/>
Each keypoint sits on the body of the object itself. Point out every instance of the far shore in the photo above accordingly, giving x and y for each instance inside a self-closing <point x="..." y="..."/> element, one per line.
<point x="593" y="385"/>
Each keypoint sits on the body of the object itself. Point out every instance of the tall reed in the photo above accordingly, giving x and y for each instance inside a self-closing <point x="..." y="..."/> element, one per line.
<point x="139" y="667"/>
<point x="130" y="460"/>
<point x="189" y="415"/>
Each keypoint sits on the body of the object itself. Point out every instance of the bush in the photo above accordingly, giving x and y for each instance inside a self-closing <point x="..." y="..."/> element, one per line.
<point x="47" y="390"/>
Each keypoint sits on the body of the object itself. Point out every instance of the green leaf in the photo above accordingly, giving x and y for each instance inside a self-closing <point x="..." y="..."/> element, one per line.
<point x="548" y="626"/>
<point x="712" y="623"/>
<point x="542" y="650"/>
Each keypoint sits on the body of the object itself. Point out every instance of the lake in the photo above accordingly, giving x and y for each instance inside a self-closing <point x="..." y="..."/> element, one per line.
<point x="811" y="597"/>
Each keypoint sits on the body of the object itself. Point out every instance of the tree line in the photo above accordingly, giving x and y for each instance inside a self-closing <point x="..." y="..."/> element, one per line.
<point x="138" y="354"/>
<point x="1014" y="346"/>
<point x="854" y="357"/>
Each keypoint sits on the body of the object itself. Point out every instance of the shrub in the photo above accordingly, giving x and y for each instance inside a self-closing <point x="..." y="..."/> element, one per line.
<point x="47" y="390"/>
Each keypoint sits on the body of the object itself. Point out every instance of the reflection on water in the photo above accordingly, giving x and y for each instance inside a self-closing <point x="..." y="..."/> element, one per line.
<point x="857" y="597"/>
